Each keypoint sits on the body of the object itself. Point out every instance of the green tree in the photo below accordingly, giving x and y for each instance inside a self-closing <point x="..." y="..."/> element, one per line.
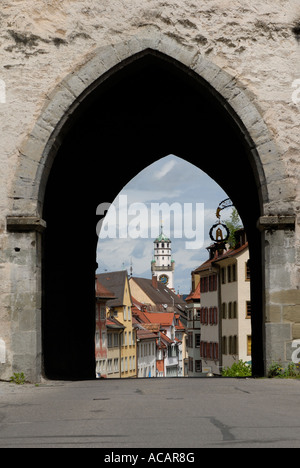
<point x="233" y="224"/>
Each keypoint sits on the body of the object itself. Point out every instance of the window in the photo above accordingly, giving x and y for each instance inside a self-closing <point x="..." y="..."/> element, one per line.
<point x="129" y="338"/>
<point x="109" y="340"/>
<point x="248" y="309"/>
<point x="223" y="275"/>
<point x="248" y="277"/>
<point x="229" y="273"/>
<point x="198" y="338"/>
<point x="233" y="272"/>
<point x="190" y="342"/>
<point x="224" y="310"/>
<point x="233" y="345"/>
<point x="198" y="366"/>
<point x="215" y="315"/>
<point x="116" y="365"/>
<point x="124" y="312"/>
<point x="204" y="286"/>
<point x="172" y="351"/>
<point x="249" y="345"/>
<point x="235" y="310"/>
<point x="102" y="313"/>
<point x="213" y="282"/>
<point x="129" y="313"/>
<point x="116" y="340"/>
<point x="216" y="351"/>
<point x="97" y="339"/>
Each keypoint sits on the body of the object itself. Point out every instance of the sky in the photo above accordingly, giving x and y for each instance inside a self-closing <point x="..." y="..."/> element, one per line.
<point x="171" y="192"/>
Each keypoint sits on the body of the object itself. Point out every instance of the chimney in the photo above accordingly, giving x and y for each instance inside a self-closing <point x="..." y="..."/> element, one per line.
<point x="154" y="281"/>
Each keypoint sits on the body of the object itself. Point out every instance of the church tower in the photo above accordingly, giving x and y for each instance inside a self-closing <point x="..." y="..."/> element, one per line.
<point x="162" y="264"/>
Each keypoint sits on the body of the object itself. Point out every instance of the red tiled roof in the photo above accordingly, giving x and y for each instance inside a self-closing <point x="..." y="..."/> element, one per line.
<point x="145" y="334"/>
<point x="165" y="318"/>
<point x="166" y="339"/>
<point x="103" y="292"/>
<point x="194" y="295"/>
<point x="180" y="326"/>
<point x="232" y="253"/>
<point x="139" y="315"/>
<point x="114" y="323"/>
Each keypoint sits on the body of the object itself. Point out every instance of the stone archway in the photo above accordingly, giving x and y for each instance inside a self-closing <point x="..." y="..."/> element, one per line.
<point x="40" y="149"/>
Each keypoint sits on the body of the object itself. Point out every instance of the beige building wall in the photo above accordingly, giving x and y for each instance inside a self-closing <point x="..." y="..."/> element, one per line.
<point x="236" y="292"/>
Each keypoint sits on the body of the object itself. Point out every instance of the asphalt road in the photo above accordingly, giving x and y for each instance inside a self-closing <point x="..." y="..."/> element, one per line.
<point x="151" y="413"/>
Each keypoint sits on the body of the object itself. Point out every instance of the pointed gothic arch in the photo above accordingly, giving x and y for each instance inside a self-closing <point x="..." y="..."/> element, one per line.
<point x="59" y="149"/>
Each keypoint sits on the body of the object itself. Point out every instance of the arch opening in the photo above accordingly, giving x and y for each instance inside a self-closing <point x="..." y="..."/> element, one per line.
<point x="144" y="110"/>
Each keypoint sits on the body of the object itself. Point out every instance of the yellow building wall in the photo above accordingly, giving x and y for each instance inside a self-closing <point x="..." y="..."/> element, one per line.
<point x="139" y="294"/>
<point x="128" y="348"/>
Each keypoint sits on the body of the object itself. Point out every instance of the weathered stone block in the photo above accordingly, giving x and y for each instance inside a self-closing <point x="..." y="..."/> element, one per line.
<point x="291" y="313"/>
<point x="273" y="313"/>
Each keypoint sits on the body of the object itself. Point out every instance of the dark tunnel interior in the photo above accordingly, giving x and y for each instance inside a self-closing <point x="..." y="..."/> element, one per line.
<point x="140" y="112"/>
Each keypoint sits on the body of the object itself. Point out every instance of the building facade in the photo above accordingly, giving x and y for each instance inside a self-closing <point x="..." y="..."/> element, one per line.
<point x="168" y="345"/>
<point x="194" y="364"/>
<point x="146" y="353"/>
<point x="120" y="310"/>
<point x="225" y="313"/>
<point x="235" y="306"/>
<point x="101" y="338"/>
<point x="114" y="362"/>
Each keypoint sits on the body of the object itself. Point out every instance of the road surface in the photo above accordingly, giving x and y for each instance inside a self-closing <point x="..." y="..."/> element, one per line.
<point x="151" y="413"/>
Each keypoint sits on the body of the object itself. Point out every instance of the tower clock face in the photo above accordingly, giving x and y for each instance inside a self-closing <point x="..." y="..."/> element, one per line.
<point x="164" y="279"/>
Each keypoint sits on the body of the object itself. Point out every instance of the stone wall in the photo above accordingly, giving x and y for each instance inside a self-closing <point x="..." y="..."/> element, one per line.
<point x="51" y="51"/>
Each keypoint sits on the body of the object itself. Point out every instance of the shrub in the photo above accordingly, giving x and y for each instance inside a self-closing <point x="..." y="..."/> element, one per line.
<point x="238" y="369"/>
<point x="291" y="371"/>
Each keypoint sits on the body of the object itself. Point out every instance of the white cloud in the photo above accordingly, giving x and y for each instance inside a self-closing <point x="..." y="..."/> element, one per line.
<point x="170" y="180"/>
<point x="167" y="167"/>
